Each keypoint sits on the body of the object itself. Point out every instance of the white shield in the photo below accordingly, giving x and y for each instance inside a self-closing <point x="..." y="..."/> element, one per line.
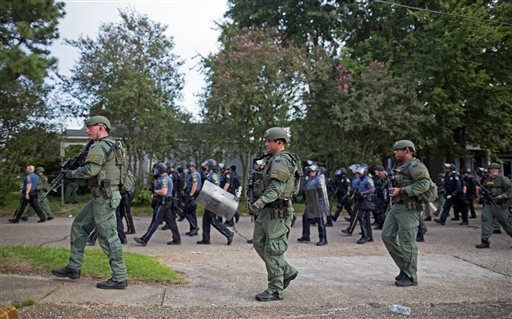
<point x="217" y="200"/>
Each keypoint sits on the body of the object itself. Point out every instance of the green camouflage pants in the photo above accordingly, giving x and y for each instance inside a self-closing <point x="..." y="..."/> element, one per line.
<point x="402" y="222"/>
<point x="492" y="214"/>
<point x="270" y="241"/>
<point x="99" y="213"/>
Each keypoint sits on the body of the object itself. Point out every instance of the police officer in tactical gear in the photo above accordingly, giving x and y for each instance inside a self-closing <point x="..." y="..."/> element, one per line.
<point x="273" y="212"/>
<point x="192" y="188"/>
<point x="411" y="178"/>
<point x="453" y="188"/>
<point x="496" y="204"/>
<point x="342" y="191"/>
<point x="163" y="209"/>
<point x="315" y="208"/>
<point x="209" y="218"/>
<point x="103" y="177"/>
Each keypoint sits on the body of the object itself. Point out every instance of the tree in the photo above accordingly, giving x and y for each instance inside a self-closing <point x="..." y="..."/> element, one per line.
<point x="27" y="28"/>
<point x="253" y="83"/>
<point x="453" y="60"/>
<point x="130" y="74"/>
<point x="355" y="112"/>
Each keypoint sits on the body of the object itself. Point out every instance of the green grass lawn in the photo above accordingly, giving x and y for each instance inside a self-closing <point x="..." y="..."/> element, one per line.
<point x="140" y="267"/>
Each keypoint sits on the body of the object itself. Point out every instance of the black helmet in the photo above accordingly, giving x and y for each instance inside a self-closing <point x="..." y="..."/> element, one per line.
<point x="162" y="168"/>
<point x="169" y="164"/>
<point x="191" y="163"/>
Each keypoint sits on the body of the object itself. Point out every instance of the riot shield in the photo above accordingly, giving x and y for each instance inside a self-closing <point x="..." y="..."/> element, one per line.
<point x="217" y="200"/>
<point x="314" y="207"/>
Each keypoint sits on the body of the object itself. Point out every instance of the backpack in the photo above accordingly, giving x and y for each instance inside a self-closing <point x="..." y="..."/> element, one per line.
<point x="126" y="179"/>
<point x="430" y="195"/>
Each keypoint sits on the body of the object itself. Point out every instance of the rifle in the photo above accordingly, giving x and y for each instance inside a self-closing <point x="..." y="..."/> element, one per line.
<point x="486" y="193"/>
<point x="70" y="164"/>
<point x="249" y="199"/>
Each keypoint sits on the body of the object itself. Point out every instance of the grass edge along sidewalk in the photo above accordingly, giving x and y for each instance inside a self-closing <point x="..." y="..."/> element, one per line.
<point x="34" y="260"/>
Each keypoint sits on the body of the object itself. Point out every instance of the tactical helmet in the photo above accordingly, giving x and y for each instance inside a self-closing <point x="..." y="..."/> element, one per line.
<point x="466" y="171"/>
<point x="312" y="168"/>
<point x="404" y="144"/>
<point x="361" y="170"/>
<point x="209" y="163"/>
<point x="379" y="168"/>
<point x="276" y="133"/>
<point x="222" y="165"/>
<point x="338" y="171"/>
<point x="97" y="120"/>
<point x="353" y="168"/>
<point x="162" y="168"/>
<point x="494" y="165"/>
<point x="191" y="163"/>
<point x="169" y="164"/>
<point x="40" y="169"/>
<point x="450" y="166"/>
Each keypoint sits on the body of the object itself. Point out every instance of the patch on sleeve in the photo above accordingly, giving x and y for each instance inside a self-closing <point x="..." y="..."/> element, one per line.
<point x="370" y="181"/>
<point x="421" y="175"/>
<point x="279" y="175"/>
<point x="165" y="183"/>
<point x="94" y="158"/>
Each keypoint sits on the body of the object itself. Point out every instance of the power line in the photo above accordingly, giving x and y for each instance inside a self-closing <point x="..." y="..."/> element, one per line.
<point x="442" y="13"/>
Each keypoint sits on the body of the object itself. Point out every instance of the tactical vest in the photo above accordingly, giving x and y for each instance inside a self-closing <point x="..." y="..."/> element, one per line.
<point x="294" y="173"/>
<point x="495" y="186"/>
<point x="109" y="175"/>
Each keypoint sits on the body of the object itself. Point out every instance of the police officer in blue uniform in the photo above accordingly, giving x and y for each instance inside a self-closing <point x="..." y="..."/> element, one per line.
<point x="163" y="196"/>
<point x="209" y="218"/>
<point x="342" y="191"/>
<point x="29" y="196"/>
<point x="315" y="208"/>
<point x="452" y="187"/>
<point x="192" y="187"/>
<point x="355" y="212"/>
<point x="364" y="189"/>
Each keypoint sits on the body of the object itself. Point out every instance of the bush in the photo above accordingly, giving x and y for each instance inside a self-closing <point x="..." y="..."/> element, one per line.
<point x="142" y="198"/>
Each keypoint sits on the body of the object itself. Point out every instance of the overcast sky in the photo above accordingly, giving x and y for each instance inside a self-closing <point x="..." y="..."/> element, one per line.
<point x="190" y="22"/>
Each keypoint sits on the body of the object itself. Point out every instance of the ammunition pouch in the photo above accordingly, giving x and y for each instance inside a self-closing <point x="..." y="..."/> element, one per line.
<point x="280" y="208"/>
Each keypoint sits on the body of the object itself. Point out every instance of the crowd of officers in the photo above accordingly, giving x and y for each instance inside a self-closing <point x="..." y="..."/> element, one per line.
<point x="174" y="192"/>
<point x="366" y="195"/>
<point x="362" y="194"/>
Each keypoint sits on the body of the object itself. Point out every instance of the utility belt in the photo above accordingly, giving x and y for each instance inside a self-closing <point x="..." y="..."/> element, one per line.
<point x="280" y="208"/>
<point x="105" y="189"/>
<point x="412" y="205"/>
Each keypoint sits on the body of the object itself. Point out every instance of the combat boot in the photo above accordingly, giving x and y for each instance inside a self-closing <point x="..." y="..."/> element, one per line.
<point x="112" y="284"/>
<point x="66" y="272"/>
<point x="483" y="244"/>
<point x="266" y="296"/>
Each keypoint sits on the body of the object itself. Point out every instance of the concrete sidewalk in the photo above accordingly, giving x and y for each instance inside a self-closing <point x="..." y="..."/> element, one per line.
<point x="451" y="270"/>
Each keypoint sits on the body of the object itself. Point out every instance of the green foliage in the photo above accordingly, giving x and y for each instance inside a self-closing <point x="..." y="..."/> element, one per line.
<point x="25" y="303"/>
<point x="96" y="265"/>
<point x="253" y="83"/>
<point x="31" y="146"/>
<point x="142" y="198"/>
<point x="129" y="73"/>
<point x="27" y="28"/>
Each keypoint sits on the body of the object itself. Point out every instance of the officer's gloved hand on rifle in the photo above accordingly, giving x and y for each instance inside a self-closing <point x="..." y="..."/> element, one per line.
<point x="253" y="210"/>
<point x="500" y="200"/>
<point x="67" y="173"/>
